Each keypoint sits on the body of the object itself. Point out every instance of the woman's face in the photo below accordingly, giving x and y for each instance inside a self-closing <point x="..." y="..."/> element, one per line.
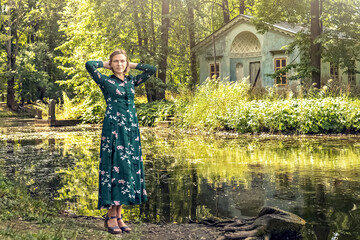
<point x="118" y="63"/>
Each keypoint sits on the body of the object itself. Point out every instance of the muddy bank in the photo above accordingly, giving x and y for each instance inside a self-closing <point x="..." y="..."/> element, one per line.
<point x="93" y="229"/>
<point x="178" y="231"/>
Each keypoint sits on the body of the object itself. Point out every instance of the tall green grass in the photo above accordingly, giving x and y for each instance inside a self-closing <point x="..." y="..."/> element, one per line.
<point x="212" y="100"/>
<point x="231" y="106"/>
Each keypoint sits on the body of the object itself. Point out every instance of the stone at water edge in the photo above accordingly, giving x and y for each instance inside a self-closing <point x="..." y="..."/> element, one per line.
<point x="279" y="221"/>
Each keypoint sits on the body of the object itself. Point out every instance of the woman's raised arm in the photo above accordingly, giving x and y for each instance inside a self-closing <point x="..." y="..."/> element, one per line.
<point x="147" y="69"/>
<point x="92" y="66"/>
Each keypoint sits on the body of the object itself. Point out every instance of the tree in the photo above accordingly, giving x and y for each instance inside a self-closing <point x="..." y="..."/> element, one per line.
<point x="194" y="77"/>
<point x="13" y="21"/>
<point x="32" y="79"/>
<point x="3" y="38"/>
<point x="338" y="42"/>
<point x="164" y="42"/>
<point x="340" y="38"/>
<point x="315" y="32"/>
<point x="226" y="12"/>
<point x="242" y="7"/>
<point x="30" y="26"/>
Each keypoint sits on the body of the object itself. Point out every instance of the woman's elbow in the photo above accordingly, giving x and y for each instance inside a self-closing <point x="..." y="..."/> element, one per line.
<point x="88" y="65"/>
<point x="154" y="69"/>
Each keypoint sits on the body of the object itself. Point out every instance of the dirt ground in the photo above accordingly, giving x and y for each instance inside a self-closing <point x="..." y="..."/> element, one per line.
<point x="150" y="231"/>
<point x="178" y="231"/>
<point x="92" y="228"/>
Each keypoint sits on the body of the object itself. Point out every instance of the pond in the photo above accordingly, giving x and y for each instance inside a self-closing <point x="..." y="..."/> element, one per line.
<point x="194" y="177"/>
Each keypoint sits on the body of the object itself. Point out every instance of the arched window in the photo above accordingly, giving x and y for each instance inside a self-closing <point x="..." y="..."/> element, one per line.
<point x="245" y="44"/>
<point x="239" y="71"/>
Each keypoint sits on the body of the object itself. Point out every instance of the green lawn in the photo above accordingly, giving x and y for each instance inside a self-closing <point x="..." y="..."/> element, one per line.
<point x="6" y="112"/>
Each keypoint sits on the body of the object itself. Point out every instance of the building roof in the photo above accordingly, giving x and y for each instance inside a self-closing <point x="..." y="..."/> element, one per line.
<point x="283" y="27"/>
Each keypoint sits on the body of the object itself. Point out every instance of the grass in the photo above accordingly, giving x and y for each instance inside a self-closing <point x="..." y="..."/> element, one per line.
<point x="24" y="217"/>
<point x="5" y="112"/>
<point x="62" y="228"/>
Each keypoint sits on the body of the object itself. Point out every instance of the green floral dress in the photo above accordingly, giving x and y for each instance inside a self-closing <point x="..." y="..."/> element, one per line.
<point x="121" y="171"/>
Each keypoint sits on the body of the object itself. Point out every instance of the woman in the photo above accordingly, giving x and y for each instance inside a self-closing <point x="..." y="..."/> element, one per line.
<point x="121" y="174"/>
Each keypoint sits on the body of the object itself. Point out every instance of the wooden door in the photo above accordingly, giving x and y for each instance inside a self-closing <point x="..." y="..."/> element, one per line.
<point x="255" y="74"/>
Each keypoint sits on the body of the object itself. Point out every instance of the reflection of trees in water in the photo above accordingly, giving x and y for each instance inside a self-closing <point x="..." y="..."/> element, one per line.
<point x="234" y="198"/>
<point x="217" y="198"/>
<point x="80" y="182"/>
<point x="173" y="190"/>
<point x="80" y="188"/>
<point x="61" y="167"/>
<point x="283" y="161"/>
<point x="194" y="191"/>
<point x="331" y="207"/>
<point x="321" y="229"/>
<point x="34" y="163"/>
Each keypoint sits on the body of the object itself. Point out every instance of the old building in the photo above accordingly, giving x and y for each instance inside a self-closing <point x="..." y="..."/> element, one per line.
<point x="243" y="52"/>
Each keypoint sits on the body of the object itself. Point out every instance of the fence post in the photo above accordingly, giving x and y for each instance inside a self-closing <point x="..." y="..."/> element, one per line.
<point x="52" y="111"/>
<point x="38" y="114"/>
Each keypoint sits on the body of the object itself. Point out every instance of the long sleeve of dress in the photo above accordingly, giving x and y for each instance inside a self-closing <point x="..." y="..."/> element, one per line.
<point x="147" y="69"/>
<point x="91" y="67"/>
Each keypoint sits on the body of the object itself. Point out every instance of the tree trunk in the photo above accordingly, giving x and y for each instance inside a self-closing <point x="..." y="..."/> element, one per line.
<point x="144" y="25"/>
<point x="149" y="85"/>
<point x="164" y="39"/>
<point x="242" y="6"/>
<point x="136" y="21"/>
<point x="194" y="77"/>
<point x="152" y="26"/>
<point x="150" y="91"/>
<point x="145" y="38"/>
<point x="315" y="54"/>
<point x="10" y="67"/>
<point x="226" y="12"/>
<point x="213" y="38"/>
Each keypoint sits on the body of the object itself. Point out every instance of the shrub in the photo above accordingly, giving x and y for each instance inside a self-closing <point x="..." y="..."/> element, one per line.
<point x="151" y="113"/>
<point x="224" y="105"/>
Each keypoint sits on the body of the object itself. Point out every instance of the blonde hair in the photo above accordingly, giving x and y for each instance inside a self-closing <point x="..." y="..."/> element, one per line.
<point x="118" y="52"/>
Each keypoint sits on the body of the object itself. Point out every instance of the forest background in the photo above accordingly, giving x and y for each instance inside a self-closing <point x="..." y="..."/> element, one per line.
<point x="44" y="46"/>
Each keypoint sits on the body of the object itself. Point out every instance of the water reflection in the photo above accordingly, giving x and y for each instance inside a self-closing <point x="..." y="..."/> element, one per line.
<point x="194" y="177"/>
